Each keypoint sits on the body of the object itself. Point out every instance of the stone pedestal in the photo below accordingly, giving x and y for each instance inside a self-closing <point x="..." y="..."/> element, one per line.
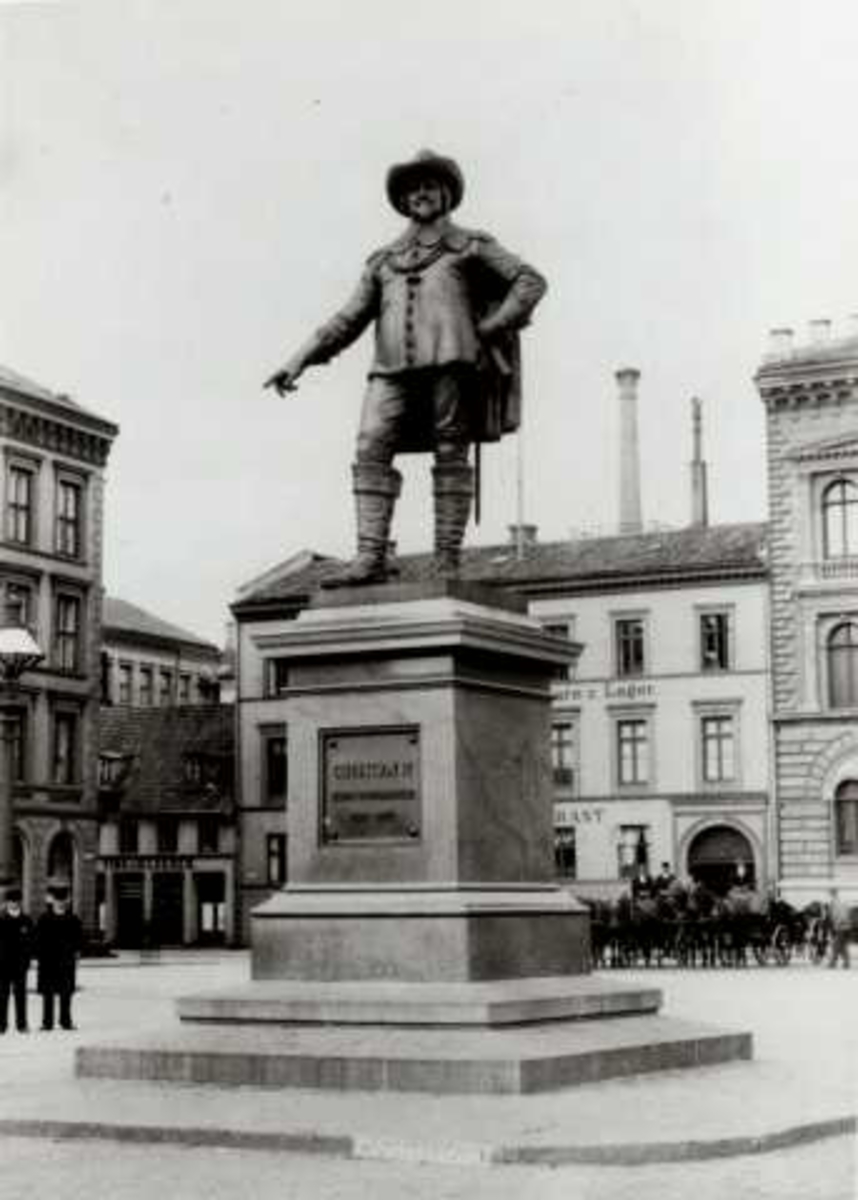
<point x="421" y="842"/>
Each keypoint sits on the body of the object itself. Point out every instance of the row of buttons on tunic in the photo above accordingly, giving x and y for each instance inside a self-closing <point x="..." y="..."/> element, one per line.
<point x="410" y="345"/>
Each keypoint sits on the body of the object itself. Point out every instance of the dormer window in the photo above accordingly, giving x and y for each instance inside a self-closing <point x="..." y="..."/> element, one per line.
<point x="840" y="519"/>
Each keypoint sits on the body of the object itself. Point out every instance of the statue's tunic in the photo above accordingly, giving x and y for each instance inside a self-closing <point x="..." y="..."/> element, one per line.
<point x="427" y="302"/>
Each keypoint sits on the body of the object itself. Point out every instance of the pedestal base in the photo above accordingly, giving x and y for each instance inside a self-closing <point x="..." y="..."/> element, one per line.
<point x="420" y="933"/>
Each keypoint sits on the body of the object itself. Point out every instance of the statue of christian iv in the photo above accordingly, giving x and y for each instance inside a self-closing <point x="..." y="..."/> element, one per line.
<point x="447" y="303"/>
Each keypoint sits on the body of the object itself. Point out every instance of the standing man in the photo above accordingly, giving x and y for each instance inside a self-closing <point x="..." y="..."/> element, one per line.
<point x="59" y="941"/>
<point x="840" y="921"/>
<point x="16" y="952"/>
<point x="447" y="303"/>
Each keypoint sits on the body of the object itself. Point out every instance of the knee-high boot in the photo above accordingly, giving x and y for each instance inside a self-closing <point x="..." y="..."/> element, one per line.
<point x="453" y="487"/>
<point x="376" y="488"/>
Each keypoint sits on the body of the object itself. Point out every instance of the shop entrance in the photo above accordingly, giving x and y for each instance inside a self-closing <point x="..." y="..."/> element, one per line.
<point x="129" y="910"/>
<point x="721" y="857"/>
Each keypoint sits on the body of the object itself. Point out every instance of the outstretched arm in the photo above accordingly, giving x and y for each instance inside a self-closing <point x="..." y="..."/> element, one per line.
<point x="333" y="337"/>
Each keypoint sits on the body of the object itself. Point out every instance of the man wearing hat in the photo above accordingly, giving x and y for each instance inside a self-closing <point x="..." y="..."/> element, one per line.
<point x="447" y="304"/>
<point x="16" y="952"/>
<point x="59" y="940"/>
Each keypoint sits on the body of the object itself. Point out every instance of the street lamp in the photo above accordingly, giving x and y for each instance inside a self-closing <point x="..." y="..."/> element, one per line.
<point x="19" y="651"/>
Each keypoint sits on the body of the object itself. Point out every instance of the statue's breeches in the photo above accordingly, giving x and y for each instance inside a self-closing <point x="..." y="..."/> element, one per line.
<point x="439" y="400"/>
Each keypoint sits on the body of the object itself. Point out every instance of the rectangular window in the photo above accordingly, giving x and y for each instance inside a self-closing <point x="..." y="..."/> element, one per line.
<point x="714" y="641"/>
<point x="67" y="633"/>
<point x="20" y="504"/>
<point x="629" y="646"/>
<point x="184" y="689"/>
<point x="165" y="689"/>
<point x="16" y="736"/>
<point x="633" y="852"/>
<point x="22" y="597"/>
<point x="274" y="768"/>
<point x="168" y="835"/>
<point x="208" y="835"/>
<point x="64" y="769"/>
<point x="129" y="836"/>
<point x="718" y="745"/>
<point x="125" y="680"/>
<point x="275" y="852"/>
<point x="633" y="757"/>
<point x="147" y="687"/>
<point x="565" y="855"/>
<point x="563" y="754"/>
<point x="69" y="541"/>
<point x="277" y="675"/>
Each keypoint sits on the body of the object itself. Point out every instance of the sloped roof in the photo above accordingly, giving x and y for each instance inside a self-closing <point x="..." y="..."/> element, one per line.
<point x="579" y="564"/>
<point x="156" y="742"/>
<point x="121" y="617"/>
<point x="14" y="381"/>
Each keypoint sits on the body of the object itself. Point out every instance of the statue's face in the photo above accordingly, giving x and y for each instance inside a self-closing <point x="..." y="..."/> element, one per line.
<point x="424" y="200"/>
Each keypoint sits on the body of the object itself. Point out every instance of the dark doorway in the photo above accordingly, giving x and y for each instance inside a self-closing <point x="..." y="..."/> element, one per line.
<point x="167" y="908"/>
<point x="721" y="857"/>
<point x="129" y="910"/>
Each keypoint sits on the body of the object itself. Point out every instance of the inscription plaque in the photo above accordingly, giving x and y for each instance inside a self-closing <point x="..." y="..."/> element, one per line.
<point x="370" y="785"/>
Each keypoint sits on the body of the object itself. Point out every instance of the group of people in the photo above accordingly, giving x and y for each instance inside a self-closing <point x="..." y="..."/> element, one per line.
<point x="54" y="941"/>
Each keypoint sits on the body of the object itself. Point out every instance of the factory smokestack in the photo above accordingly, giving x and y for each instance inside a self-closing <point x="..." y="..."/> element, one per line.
<point x="630" y="471"/>
<point x="699" y="488"/>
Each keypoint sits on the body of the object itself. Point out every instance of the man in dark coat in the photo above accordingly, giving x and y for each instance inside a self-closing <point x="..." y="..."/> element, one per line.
<point x="447" y="304"/>
<point x="59" y="940"/>
<point x="16" y="951"/>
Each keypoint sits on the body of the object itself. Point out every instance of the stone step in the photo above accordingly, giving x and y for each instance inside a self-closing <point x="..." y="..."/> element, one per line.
<point x="514" y="1059"/>
<point x="490" y="1004"/>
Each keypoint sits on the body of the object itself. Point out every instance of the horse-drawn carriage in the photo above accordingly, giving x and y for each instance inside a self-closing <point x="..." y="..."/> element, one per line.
<point x="691" y="927"/>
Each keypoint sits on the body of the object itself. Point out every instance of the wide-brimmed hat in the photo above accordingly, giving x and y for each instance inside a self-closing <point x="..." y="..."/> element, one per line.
<point x="425" y="162"/>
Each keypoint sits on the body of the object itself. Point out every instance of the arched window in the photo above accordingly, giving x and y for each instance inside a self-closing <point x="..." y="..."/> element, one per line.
<point x="840" y="519"/>
<point x="843" y="666"/>
<point x="846" y="817"/>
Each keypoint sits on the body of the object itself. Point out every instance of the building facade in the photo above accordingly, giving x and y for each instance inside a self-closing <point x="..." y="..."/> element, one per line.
<point x="149" y="663"/>
<point x="810" y="395"/>
<point x="167" y="836"/>
<point x="54" y="456"/>
<point x="660" y="741"/>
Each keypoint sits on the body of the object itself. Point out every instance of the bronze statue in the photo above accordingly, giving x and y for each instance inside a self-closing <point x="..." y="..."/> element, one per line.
<point x="447" y="304"/>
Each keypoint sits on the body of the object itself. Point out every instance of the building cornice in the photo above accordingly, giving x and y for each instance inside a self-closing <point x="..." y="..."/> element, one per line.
<point x="54" y="428"/>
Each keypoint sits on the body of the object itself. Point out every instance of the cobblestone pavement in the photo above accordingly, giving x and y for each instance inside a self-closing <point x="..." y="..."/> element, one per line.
<point x="63" y="1171"/>
<point x="800" y="1014"/>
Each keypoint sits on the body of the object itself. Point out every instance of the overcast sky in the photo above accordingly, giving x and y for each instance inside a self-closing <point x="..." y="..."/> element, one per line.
<point x="189" y="187"/>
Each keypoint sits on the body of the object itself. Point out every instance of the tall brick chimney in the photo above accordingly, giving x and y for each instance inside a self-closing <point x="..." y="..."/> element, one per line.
<point x="630" y="470"/>
<point x="699" y="488"/>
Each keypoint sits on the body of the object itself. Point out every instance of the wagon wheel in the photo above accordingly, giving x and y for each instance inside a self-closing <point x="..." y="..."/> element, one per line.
<point x="781" y="946"/>
<point x="761" y="952"/>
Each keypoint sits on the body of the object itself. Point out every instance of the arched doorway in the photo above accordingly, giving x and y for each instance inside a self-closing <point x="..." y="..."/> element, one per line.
<point x="721" y="857"/>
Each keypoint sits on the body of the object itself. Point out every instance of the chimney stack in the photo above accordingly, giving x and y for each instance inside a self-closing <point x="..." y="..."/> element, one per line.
<point x="780" y="343"/>
<point x="699" y="488"/>
<point x="630" y="473"/>
<point x="820" y="331"/>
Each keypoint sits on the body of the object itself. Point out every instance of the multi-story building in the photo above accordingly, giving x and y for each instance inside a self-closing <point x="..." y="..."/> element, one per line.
<point x="167" y="825"/>
<point x="810" y="394"/>
<point x="660" y="740"/>
<point x="54" y="454"/>
<point x="148" y="663"/>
